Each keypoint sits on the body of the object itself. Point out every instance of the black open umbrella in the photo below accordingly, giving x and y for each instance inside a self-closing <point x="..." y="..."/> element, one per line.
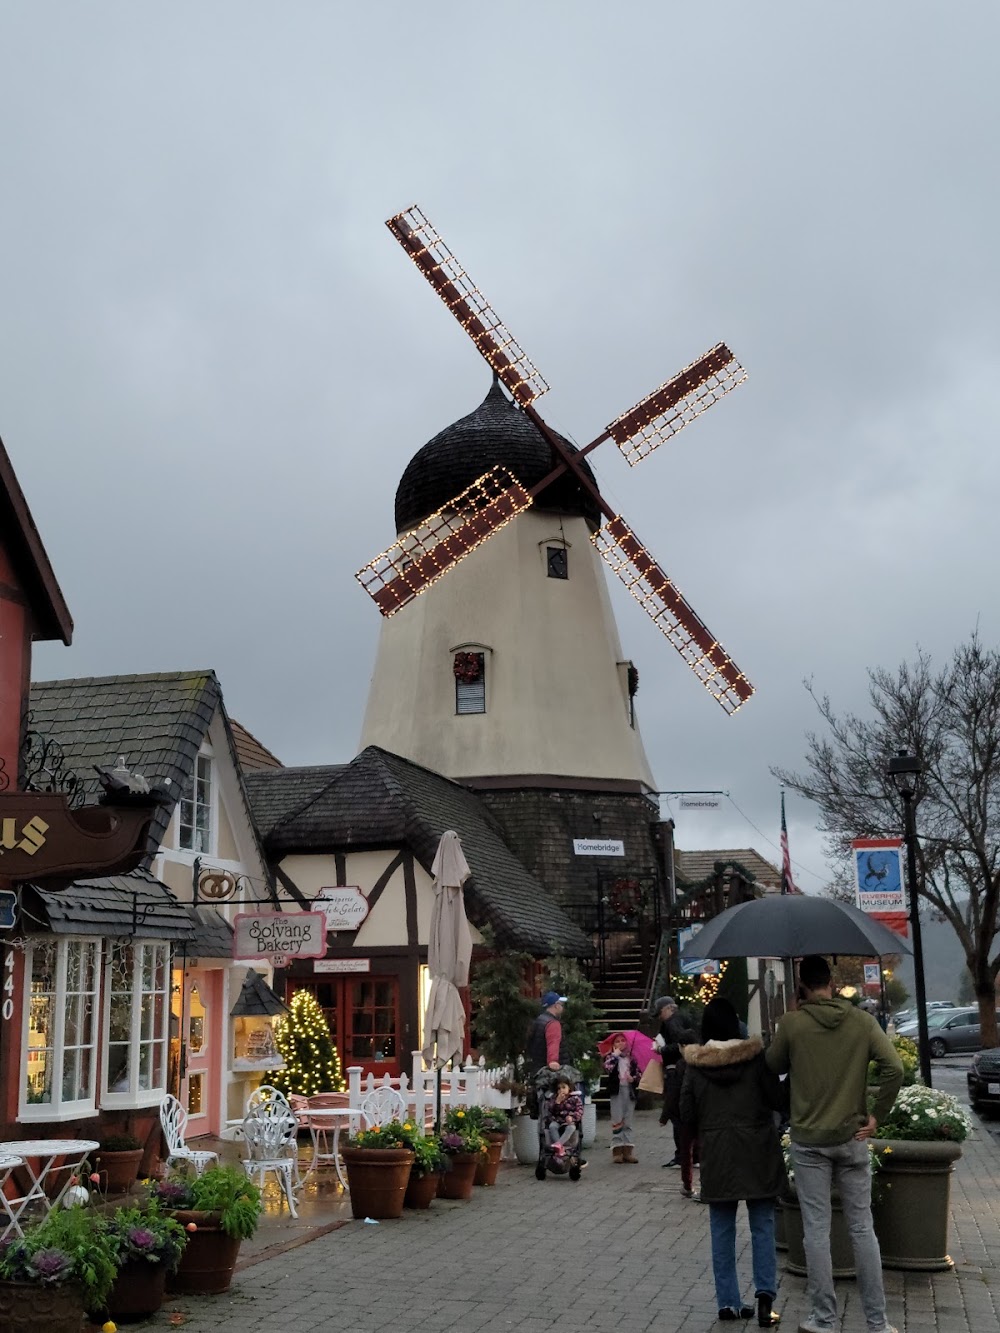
<point x="793" y="925"/>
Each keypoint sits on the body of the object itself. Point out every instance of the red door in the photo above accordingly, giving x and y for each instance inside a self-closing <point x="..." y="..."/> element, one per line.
<point x="363" y="1014"/>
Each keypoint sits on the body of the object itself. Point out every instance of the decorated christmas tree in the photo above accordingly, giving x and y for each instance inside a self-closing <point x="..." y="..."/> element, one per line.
<point x="312" y="1063"/>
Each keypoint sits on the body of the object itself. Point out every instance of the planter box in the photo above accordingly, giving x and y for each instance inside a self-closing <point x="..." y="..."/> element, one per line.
<point x="377" y="1179"/>
<point x="912" y="1202"/>
<point x="526" y="1139"/>
<point x="209" y="1258"/>
<point x="421" y="1190"/>
<point x="27" y="1307"/>
<point x="138" y="1291"/>
<point x="459" y="1180"/>
<point x="489" y="1162"/>
<point x="840" y="1241"/>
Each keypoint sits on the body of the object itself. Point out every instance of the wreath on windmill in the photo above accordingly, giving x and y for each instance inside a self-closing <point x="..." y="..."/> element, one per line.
<point x="624" y="897"/>
<point x="468" y="667"/>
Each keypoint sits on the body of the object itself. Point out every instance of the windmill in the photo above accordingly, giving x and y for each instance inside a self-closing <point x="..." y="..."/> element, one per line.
<point x="428" y="551"/>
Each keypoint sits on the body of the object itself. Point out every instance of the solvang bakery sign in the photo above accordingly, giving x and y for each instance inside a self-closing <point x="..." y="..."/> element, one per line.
<point x="258" y="936"/>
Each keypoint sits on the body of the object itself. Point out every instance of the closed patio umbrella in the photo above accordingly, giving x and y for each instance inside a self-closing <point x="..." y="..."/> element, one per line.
<point x="449" y="953"/>
<point x="791" y="926"/>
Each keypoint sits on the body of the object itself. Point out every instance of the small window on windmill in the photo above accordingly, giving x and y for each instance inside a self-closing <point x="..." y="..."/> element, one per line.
<point x="470" y="682"/>
<point x="557" y="562"/>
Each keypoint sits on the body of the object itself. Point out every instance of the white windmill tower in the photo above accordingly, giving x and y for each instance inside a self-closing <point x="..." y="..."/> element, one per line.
<point x="510" y="668"/>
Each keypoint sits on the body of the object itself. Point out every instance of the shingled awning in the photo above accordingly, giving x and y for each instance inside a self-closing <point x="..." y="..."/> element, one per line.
<point x="257" y="999"/>
<point x="134" y="905"/>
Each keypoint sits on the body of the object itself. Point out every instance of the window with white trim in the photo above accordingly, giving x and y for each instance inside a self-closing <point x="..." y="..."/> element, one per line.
<point x="61" y="979"/>
<point x="195" y="815"/>
<point x="136" y="1024"/>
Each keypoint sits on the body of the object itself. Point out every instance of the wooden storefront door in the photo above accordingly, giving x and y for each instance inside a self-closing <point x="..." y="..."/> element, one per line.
<point x="363" y="1014"/>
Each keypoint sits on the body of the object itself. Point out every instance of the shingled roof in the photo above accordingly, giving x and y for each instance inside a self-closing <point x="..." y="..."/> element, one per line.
<point x="252" y="753"/>
<point x="696" y="867"/>
<point x="381" y="800"/>
<point x="497" y="432"/>
<point x="127" y="905"/>
<point x="158" y="722"/>
<point x="277" y="793"/>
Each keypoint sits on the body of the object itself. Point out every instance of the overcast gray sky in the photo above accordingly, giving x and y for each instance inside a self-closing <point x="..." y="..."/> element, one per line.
<point x="215" y="362"/>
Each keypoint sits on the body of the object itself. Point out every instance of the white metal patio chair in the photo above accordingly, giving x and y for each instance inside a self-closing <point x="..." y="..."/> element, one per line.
<point x="381" y="1105"/>
<point x="173" y="1121"/>
<point x="270" y="1131"/>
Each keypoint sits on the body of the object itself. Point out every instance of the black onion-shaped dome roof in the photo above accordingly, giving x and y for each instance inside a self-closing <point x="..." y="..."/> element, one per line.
<point x="496" y="432"/>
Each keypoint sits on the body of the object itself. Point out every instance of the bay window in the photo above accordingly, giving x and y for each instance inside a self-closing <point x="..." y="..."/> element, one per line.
<point x="60" y="1029"/>
<point x="136" y="1024"/>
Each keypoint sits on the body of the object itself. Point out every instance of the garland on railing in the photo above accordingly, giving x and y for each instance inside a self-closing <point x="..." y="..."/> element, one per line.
<point x="468" y="667"/>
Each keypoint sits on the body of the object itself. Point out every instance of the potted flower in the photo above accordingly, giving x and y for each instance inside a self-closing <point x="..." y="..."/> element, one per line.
<point x="378" y="1163"/>
<point x="218" y="1209"/>
<point x="428" y="1163"/>
<point x="60" y="1268"/>
<point x="494" y="1127"/>
<point x="148" y="1245"/>
<point x="919" y="1142"/>
<point x="463" y="1145"/>
<point x="117" y="1161"/>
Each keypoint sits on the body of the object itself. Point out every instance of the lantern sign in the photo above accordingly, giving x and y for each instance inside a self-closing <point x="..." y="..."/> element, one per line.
<point x="278" y="937"/>
<point x="878" y="874"/>
<point x="344" y="906"/>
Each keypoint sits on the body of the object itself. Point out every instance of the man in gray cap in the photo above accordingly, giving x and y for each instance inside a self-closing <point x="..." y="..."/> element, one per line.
<point x="674" y="1033"/>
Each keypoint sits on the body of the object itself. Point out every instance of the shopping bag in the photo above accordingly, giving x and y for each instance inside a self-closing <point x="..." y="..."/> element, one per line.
<point x="652" y="1076"/>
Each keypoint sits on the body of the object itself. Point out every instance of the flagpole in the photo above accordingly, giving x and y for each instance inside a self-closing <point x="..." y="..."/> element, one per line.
<point x="787" y="887"/>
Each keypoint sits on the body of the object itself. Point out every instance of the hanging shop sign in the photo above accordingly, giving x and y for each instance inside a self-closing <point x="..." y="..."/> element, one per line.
<point x="8" y="909"/>
<point x="42" y="838"/>
<point x="278" y="936"/>
<point x="878" y="874"/>
<point x="873" y="974"/>
<point x="343" y="965"/>
<point x="694" y="967"/>
<point x="697" y="802"/>
<point x="343" y="905"/>
<point x="598" y="847"/>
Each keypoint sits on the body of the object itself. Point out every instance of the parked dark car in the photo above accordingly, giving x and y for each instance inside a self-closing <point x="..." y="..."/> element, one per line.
<point x="984" y="1080"/>
<point x="949" y="1030"/>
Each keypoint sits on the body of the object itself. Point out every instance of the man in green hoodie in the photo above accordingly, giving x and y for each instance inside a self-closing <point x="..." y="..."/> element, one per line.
<point x="825" y="1047"/>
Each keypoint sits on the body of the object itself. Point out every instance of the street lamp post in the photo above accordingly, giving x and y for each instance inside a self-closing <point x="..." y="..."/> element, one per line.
<point x="904" y="769"/>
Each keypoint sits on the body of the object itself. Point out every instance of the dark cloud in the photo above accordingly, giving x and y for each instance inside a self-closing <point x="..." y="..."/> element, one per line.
<point x="210" y="348"/>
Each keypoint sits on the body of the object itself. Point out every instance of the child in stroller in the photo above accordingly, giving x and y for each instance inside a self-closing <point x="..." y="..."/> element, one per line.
<point x="560" y="1113"/>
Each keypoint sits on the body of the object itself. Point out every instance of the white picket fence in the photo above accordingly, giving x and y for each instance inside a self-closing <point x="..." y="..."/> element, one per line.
<point x="471" y="1085"/>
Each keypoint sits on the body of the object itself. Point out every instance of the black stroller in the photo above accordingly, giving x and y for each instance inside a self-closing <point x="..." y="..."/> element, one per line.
<point x="558" y="1154"/>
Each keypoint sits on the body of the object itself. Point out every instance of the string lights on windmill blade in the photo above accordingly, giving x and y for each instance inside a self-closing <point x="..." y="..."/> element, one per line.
<point x="676" y="404"/>
<point x="466" y="302"/>
<point x="421" y="556"/>
<point x="626" y="556"/>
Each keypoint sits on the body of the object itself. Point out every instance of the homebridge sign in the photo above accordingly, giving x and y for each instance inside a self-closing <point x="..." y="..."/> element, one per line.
<point x="598" y="847"/>
<point x="286" y="935"/>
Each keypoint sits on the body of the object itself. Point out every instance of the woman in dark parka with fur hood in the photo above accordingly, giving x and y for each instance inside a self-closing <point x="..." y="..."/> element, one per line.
<point x="730" y="1096"/>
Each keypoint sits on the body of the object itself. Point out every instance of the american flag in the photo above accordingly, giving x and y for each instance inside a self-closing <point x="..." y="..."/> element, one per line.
<point x="788" y="884"/>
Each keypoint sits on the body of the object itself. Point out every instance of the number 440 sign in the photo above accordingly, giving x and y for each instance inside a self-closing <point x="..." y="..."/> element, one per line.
<point x="8" y="907"/>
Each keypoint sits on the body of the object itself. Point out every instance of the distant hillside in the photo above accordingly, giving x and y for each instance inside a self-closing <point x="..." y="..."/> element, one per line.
<point x="944" y="960"/>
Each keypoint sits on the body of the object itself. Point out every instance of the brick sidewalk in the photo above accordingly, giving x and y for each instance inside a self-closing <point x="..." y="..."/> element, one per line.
<point x="620" y="1248"/>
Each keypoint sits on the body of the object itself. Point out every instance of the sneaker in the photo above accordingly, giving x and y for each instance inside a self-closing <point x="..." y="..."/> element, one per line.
<point x="674" y="1162"/>
<point x="686" y="1193"/>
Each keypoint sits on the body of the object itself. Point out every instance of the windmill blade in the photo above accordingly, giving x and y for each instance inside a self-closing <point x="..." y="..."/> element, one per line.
<point x="440" y="541"/>
<point x="465" y="301"/>
<point x="671" y="614"/>
<point x="675" y="404"/>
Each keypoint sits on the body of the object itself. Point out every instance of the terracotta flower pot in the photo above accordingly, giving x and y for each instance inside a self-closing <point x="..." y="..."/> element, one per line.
<point x="118" y="1169"/>
<point x="489" y="1162"/>
<point x="138" y="1290"/>
<point x="377" y="1179"/>
<point x="458" y="1181"/>
<point x="421" y="1190"/>
<point x="26" y="1307"/>
<point x="209" y="1257"/>
<point x="911" y="1202"/>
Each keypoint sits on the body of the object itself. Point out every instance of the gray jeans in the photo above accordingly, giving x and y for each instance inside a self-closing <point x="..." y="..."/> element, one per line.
<point x="847" y="1168"/>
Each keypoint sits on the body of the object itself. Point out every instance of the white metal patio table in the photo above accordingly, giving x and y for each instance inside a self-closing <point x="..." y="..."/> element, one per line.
<point x="7" y="1166"/>
<point x="322" y="1121"/>
<point x="46" y="1151"/>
